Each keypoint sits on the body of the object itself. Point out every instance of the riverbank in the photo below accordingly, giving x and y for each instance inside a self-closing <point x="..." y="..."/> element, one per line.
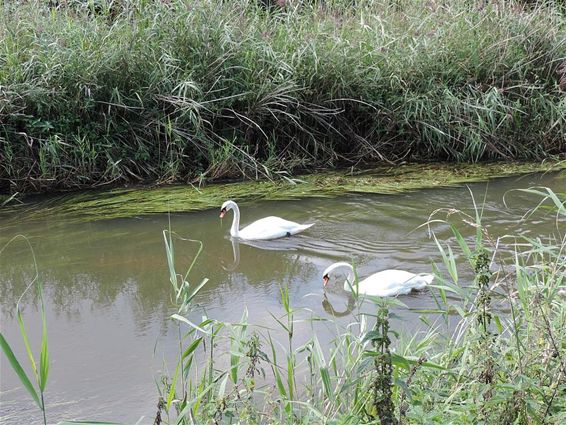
<point x="155" y="92"/>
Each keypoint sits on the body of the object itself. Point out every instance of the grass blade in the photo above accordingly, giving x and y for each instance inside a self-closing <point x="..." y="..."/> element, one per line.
<point x="44" y="354"/>
<point x="18" y="369"/>
<point x="173" y="388"/>
<point x="192" y="347"/>
<point x="26" y="340"/>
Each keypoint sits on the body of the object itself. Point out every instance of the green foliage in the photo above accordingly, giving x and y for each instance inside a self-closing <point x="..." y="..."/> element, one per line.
<point x="109" y="92"/>
<point x="383" y="379"/>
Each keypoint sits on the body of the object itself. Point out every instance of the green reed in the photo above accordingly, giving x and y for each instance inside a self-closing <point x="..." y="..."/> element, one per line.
<point x="108" y="92"/>
<point x="40" y="367"/>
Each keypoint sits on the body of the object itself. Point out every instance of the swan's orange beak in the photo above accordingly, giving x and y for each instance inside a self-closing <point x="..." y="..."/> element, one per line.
<point x="325" y="279"/>
<point x="222" y="212"/>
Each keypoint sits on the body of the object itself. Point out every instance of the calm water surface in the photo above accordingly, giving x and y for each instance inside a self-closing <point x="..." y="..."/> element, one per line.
<point x="108" y="294"/>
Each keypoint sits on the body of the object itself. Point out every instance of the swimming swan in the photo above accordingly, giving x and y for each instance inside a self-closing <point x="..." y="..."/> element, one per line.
<point x="262" y="229"/>
<point x="386" y="283"/>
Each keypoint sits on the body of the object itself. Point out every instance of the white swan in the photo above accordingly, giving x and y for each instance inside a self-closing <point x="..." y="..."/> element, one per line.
<point x="386" y="283"/>
<point x="262" y="229"/>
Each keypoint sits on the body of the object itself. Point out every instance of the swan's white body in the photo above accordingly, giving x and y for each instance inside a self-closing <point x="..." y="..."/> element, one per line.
<point x="386" y="283"/>
<point x="262" y="229"/>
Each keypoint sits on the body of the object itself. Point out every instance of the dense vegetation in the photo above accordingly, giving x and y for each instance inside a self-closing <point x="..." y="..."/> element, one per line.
<point x="101" y="92"/>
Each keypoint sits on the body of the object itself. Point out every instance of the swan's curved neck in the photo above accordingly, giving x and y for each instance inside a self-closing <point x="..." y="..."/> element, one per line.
<point x="235" y="229"/>
<point x="349" y="282"/>
<point x="350" y="277"/>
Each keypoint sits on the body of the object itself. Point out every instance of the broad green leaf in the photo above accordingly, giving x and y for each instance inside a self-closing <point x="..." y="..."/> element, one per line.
<point x="170" y="259"/>
<point x="188" y="322"/>
<point x="173" y="388"/>
<point x="192" y="347"/>
<point x="196" y="290"/>
<point x="498" y="324"/>
<point x="222" y="388"/>
<point x="291" y="375"/>
<point x="284" y="326"/>
<point x="326" y="382"/>
<point x="234" y="366"/>
<point x="18" y="369"/>
<point x="279" y="383"/>
<point x="461" y="242"/>
<point x="26" y="340"/>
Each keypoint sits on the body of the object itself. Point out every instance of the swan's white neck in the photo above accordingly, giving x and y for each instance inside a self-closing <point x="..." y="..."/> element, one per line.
<point x="235" y="229"/>
<point x="350" y="277"/>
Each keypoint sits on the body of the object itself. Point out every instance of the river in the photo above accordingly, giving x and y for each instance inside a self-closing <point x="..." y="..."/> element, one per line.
<point x="108" y="297"/>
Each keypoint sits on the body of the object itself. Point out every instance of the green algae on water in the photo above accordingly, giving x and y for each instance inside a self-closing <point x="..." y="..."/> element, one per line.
<point x="123" y="203"/>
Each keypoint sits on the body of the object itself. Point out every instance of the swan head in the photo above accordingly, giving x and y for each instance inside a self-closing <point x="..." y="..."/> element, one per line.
<point x="326" y="273"/>
<point x="226" y="206"/>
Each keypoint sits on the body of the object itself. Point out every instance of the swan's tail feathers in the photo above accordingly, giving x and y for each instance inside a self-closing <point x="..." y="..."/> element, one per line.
<point x="422" y="281"/>
<point x="428" y="278"/>
<point x="302" y="227"/>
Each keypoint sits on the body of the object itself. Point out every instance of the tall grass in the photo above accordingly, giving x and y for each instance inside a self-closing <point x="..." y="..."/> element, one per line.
<point x="115" y="91"/>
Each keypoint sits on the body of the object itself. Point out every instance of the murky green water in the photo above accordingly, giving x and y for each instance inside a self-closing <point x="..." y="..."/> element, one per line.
<point x="108" y="295"/>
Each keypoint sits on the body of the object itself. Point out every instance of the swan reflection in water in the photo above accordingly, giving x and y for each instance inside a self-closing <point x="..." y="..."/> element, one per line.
<point x="333" y="312"/>
<point x="283" y="245"/>
<point x="290" y="244"/>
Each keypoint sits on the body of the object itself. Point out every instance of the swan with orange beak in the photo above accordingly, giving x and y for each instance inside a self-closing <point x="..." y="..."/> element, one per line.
<point x="262" y="229"/>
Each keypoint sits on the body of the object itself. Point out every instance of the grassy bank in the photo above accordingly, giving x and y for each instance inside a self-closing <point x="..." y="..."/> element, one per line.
<point x="137" y="91"/>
